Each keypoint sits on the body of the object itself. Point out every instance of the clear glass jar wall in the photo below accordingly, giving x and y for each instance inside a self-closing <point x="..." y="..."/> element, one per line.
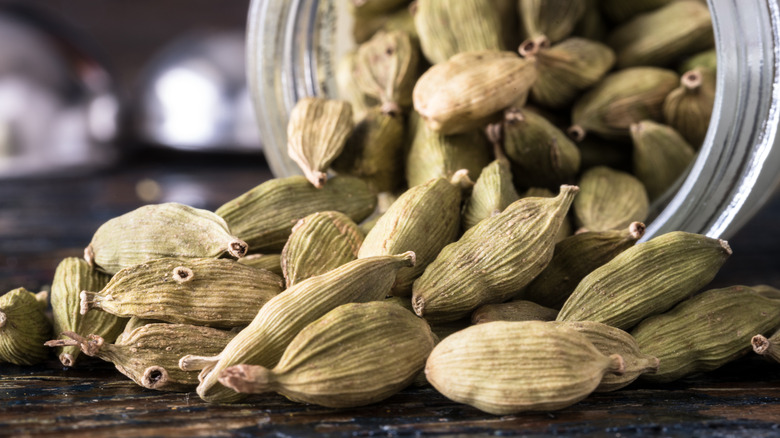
<point x="294" y="45"/>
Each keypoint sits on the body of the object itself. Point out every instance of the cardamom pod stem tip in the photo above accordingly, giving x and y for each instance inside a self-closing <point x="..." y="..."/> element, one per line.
<point x="192" y="362"/>
<point x="182" y="274"/>
<point x="576" y="132"/>
<point x="725" y="246"/>
<point x="66" y="359"/>
<point x="154" y="377"/>
<point x="461" y="179"/>
<point x="530" y="47"/>
<point x="3" y="319"/>
<point x="617" y="364"/>
<point x="238" y="248"/>
<point x="391" y="109"/>
<point x="637" y="230"/>
<point x="691" y="80"/>
<point x="90" y="345"/>
<point x="42" y="297"/>
<point x="410" y="258"/>
<point x="418" y="304"/>
<point x="87" y="302"/>
<point x="513" y="116"/>
<point x="760" y="344"/>
<point x="247" y="379"/>
<point x="89" y="255"/>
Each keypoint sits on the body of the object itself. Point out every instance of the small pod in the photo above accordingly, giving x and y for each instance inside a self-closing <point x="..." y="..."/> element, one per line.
<point x="574" y="258"/>
<point x="316" y="133"/>
<point x="646" y="279"/>
<point x="264" y="216"/>
<point x="661" y="156"/>
<point x="610" y="200"/>
<point x="386" y="68"/>
<point x="508" y="367"/>
<point x="769" y="347"/>
<point x="554" y="18"/>
<point x="162" y="230"/>
<point x="72" y="276"/>
<point x="520" y="310"/>
<point x="211" y="292"/>
<point x="493" y="260"/>
<point x="269" y="262"/>
<point x="492" y="193"/>
<point x="319" y="243"/>
<point x="24" y="327"/>
<point x="354" y="355"/>
<point x="688" y="108"/>
<point x="469" y="89"/>
<point x="149" y="354"/>
<point x="263" y="342"/>
<point x="706" y="331"/>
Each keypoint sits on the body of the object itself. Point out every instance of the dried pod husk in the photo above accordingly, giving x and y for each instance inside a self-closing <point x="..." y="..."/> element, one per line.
<point x="493" y="260"/>
<point x="161" y="230"/>
<point x="646" y="279"/>
<point x="210" y="292"/>
<point x="72" y="276"/>
<point x="401" y="19"/>
<point x="566" y="69"/>
<point x="554" y="18"/>
<point x="492" y="193"/>
<point x="362" y="8"/>
<point x="519" y="310"/>
<point x="264" y="216"/>
<point x="434" y="155"/>
<point x="269" y="262"/>
<point x="345" y="84"/>
<point x="621" y="10"/>
<point x="620" y="99"/>
<point x="541" y="154"/>
<point x="354" y="355"/>
<point x="769" y="347"/>
<point x="386" y="68"/>
<point x="424" y="219"/>
<point x="663" y="36"/>
<point x="468" y="90"/>
<point x="610" y="340"/>
<point x="449" y="27"/>
<point x="706" y="331"/>
<point x="374" y="151"/>
<point x="507" y="367"/>
<point x="567" y="229"/>
<point x="149" y="354"/>
<point x="264" y="340"/>
<point x="319" y="243"/>
<point x="574" y="258"/>
<point x="688" y="108"/>
<point x="661" y="156"/>
<point x="24" y="327"/>
<point x="767" y="291"/>
<point x="610" y="200"/>
<point x="316" y="133"/>
<point x="707" y="60"/>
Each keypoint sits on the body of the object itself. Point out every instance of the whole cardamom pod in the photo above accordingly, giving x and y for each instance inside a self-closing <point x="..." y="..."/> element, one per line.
<point x="386" y="68"/>
<point x="162" y="230"/>
<point x="610" y="200"/>
<point x="567" y="229"/>
<point x="554" y="18"/>
<point x="72" y="276"/>
<point x="24" y="327"/>
<point x="519" y="310"/>
<point x="316" y="133"/>
<point x="264" y="216"/>
<point x="688" y="108"/>
<point x="646" y="279"/>
<point x="661" y="156"/>
<point x="507" y="367"/>
<point x="354" y="355"/>
<point x="706" y="331"/>
<point x="493" y="260"/>
<point x="210" y="292"/>
<point x="492" y="193"/>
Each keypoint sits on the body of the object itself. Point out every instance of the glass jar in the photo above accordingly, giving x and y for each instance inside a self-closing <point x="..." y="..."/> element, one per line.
<point x="294" y="45"/>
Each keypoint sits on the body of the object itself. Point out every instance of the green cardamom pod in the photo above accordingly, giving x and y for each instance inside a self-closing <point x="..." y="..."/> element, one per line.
<point x="210" y="292"/>
<point x="621" y="10"/>
<point x="319" y="243"/>
<point x="567" y="229"/>
<point x="492" y="193"/>
<point x="574" y="258"/>
<point x="149" y="354"/>
<point x="566" y="69"/>
<point x="554" y="18"/>
<point x="469" y="89"/>
<point x="354" y="355"/>
<point x="661" y="156"/>
<point x="769" y="347"/>
<point x="316" y="133"/>
<point x="424" y="219"/>
<point x="610" y="200"/>
<point x="706" y="331"/>
<point x="374" y="151"/>
<point x="493" y="260"/>
<point x="72" y="276"/>
<point x="707" y="60"/>
<point x="688" y="108"/>
<point x="269" y="262"/>
<point x="620" y="99"/>
<point x="24" y="327"/>
<point x="519" y="310"/>
<point x="449" y="27"/>
<point x="162" y="230"/>
<point x="384" y="201"/>
<point x="507" y="367"/>
<point x="664" y="35"/>
<point x="434" y="155"/>
<point x="386" y="68"/>
<point x="610" y="340"/>
<point x="264" y="216"/>
<point x="646" y="279"/>
<point x="541" y="154"/>
<point x="264" y="340"/>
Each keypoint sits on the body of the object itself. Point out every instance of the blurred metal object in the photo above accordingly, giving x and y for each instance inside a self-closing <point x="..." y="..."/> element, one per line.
<point x="58" y="109"/>
<point x="194" y="96"/>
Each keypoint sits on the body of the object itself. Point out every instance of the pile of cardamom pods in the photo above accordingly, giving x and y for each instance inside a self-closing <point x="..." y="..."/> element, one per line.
<point x="400" y="269"/>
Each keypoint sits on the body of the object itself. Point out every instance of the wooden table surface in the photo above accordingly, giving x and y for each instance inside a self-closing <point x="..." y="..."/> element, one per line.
<point x="43" y="221"/>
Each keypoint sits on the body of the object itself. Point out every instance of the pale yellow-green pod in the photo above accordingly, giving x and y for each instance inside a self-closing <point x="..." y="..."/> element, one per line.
<point x="24" y="327"/>
<point x="609" y="200"/>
